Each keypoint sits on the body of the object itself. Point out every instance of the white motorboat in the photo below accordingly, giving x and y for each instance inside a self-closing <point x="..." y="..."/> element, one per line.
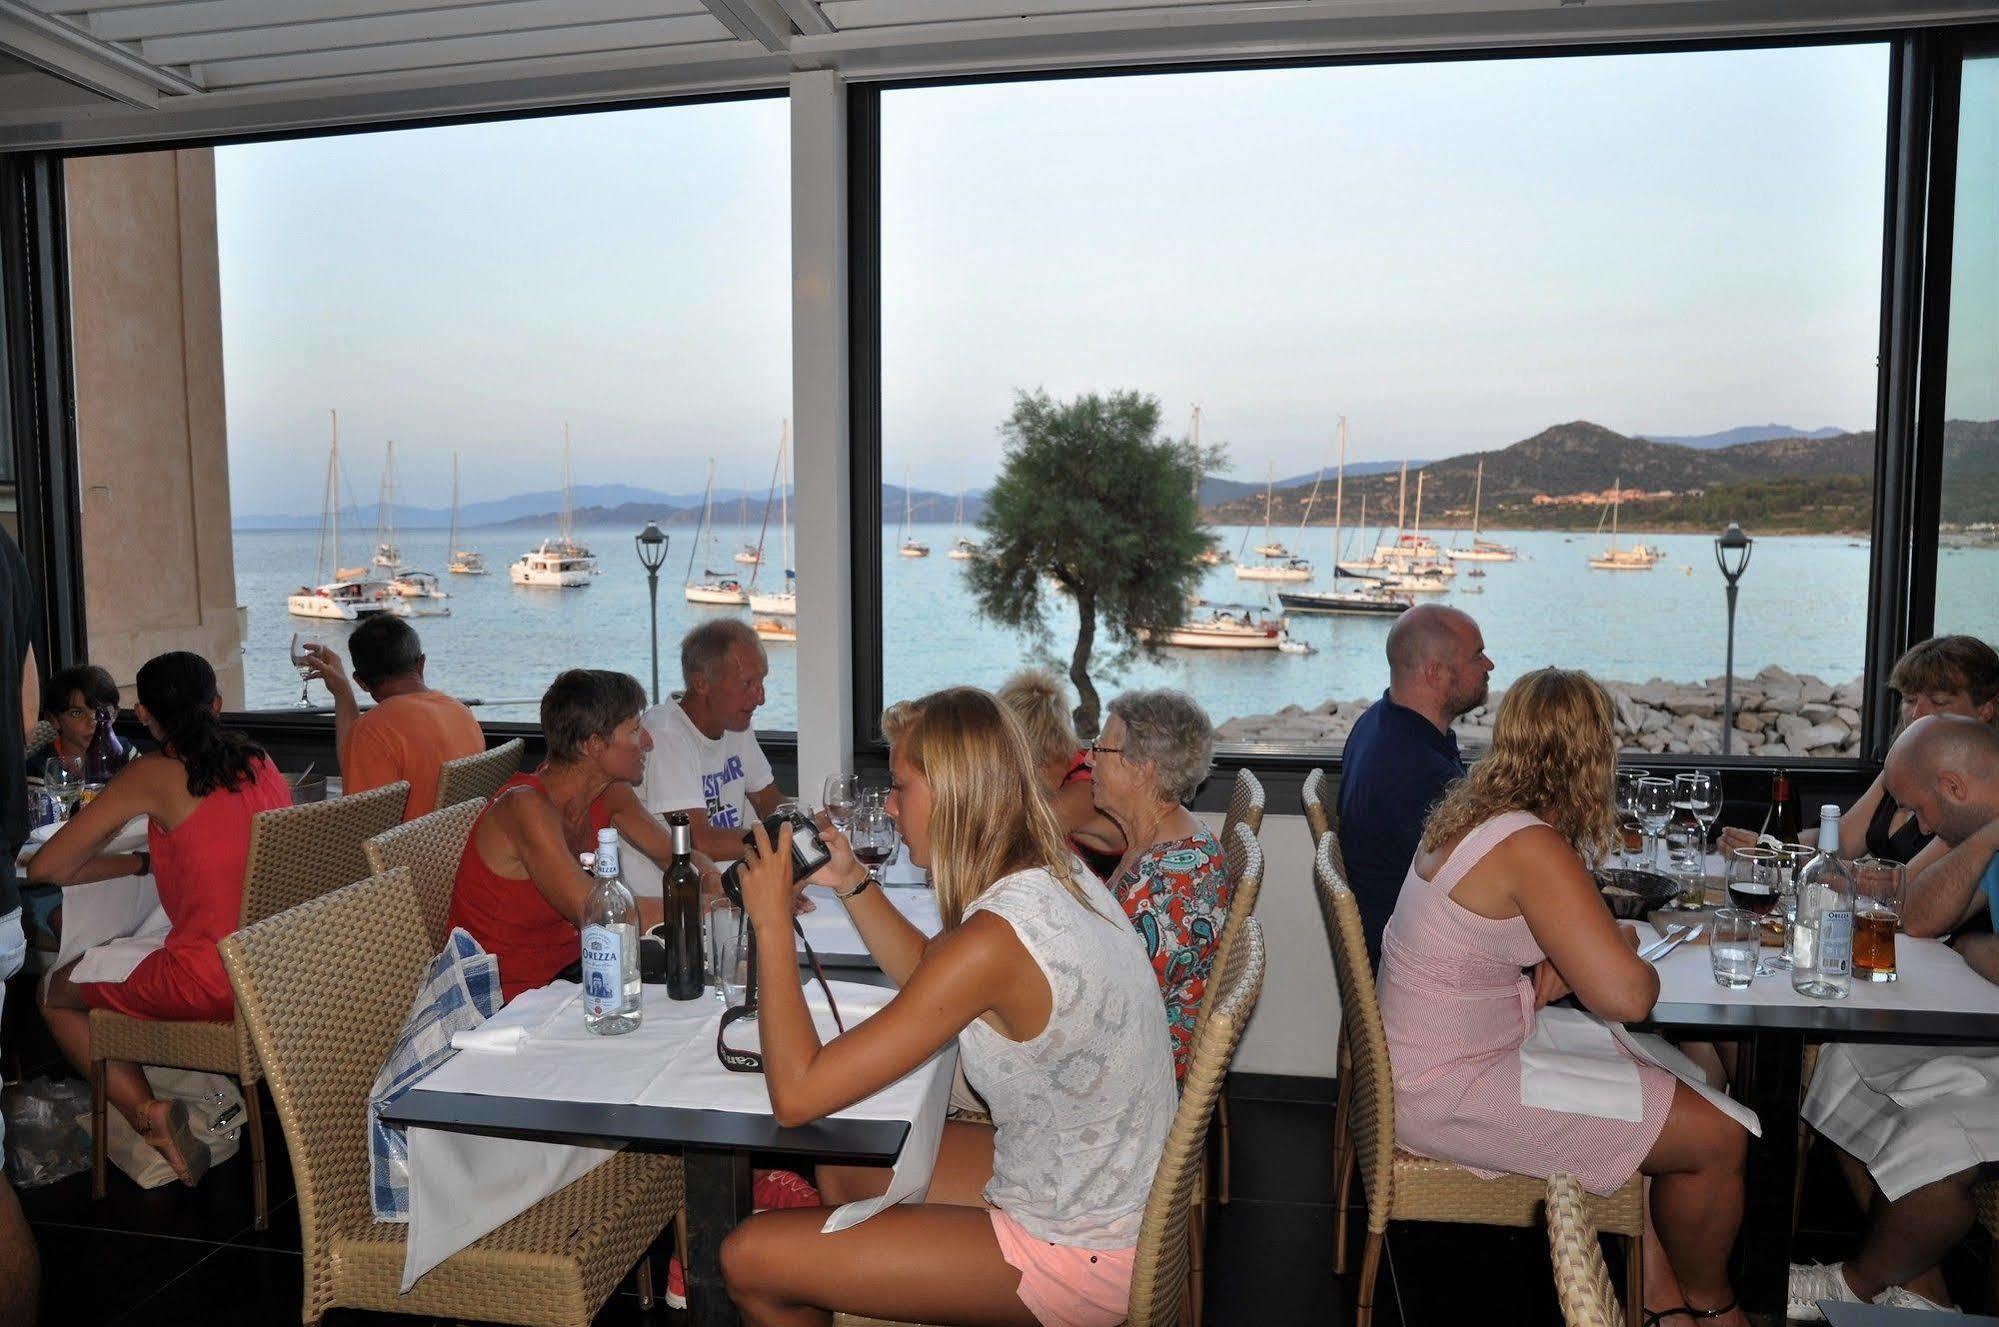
<point x="1291" y="569"/>
<point x="1228" y="628"/>
<point x="772" y="629"/>
<point x="462" y="561"/>
<point x="343" y="601"/>
<point x="560" y="563"/>
<point x="417" y="585"/>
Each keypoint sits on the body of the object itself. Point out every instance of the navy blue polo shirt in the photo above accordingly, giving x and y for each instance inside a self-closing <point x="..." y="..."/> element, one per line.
<point x="1396" y="767"/>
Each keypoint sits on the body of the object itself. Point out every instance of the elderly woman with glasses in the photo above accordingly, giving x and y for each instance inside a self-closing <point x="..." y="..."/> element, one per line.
<point x="1172" y="881"/>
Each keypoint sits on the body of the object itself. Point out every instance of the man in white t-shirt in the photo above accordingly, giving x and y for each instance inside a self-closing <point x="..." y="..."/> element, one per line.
<point x="705" y="759"/>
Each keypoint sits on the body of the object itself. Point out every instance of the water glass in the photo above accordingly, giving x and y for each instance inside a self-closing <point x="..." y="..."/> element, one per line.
<point x="62" y="779"/>
<point x="1654" y="808"/>
<point x="728" y="952"/>
<point x="841" y="793"/>
<point x="1732" y="948"/>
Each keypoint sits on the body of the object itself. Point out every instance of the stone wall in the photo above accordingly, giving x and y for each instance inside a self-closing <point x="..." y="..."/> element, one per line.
<point x="1777" y="713"/>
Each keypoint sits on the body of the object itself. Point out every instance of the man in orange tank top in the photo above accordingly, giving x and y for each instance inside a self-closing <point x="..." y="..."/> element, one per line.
<point x="412" y="730"/>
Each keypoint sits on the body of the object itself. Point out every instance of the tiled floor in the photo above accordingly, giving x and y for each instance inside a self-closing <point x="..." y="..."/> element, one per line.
<point x="190" y="1256"/>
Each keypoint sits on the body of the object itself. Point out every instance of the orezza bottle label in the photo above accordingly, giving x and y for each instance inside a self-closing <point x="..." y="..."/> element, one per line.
<point x="1835" y="956"/>
<point x="603" y="969"/>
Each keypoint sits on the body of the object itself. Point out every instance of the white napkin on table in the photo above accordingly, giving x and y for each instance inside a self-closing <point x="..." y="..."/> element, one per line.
<point x="526" y="1017"/>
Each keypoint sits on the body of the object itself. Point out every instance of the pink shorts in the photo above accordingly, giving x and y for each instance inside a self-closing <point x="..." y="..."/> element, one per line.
<point x="1064" y="1286"/>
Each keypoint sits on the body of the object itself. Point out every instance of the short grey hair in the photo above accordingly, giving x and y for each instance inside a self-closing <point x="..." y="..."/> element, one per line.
<point x="1171" y="731"/>
<point x="703" y="648"/>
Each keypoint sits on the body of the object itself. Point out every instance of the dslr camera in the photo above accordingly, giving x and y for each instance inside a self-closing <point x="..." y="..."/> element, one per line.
<point x="808" y="852"/>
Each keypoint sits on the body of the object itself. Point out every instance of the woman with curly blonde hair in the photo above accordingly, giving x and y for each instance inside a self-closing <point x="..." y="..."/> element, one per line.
<point x="1498" y="916"/>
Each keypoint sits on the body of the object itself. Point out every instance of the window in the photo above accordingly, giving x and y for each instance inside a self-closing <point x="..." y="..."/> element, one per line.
<point x="1598" y="304"/>
<point x="1968" y="551"/>
<point x="506" y="323"/>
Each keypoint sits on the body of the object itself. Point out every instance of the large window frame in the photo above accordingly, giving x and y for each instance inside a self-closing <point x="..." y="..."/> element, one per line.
<point x="1918" y="191"/>
<point x="1919" y="178"/>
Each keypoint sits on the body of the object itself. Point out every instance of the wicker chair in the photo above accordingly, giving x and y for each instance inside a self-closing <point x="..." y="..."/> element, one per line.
<point x="476" y="778"/>
<point x="40" y="735"/>
<point x="1245" y="806"/>
<point x="1244" y="853"/>
<point x="1582" y="1280"/>
<point x="1402" y="1186"/>
<point x="430" y="846"/>
<point x="296" y="853"/>
<point x="1160" y="1272"/>
<point x="1322" y="816"/>
<point x="324" y="990"/>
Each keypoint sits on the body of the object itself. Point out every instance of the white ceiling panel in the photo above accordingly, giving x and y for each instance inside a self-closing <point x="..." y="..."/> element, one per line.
<point x="167" y="69"/>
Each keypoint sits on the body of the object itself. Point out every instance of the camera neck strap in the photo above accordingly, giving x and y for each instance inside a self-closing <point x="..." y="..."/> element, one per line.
<point x="752" y="1062"/>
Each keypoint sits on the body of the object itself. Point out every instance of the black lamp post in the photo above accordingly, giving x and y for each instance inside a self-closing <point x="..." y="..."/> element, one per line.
<point x="651" y="543"/>
<point x="1731" y="554"/>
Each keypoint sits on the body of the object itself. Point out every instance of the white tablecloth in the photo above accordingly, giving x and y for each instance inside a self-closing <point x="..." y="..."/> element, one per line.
<point x="463" y="1186"/>
<point x="131" y="838"/>
<point x="833" y="933"/>
<point x="1933" y="978"/>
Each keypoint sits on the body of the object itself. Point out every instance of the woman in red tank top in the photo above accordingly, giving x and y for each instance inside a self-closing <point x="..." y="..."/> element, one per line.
<point x="198" y="796"/>
<point x="520" y="890"/>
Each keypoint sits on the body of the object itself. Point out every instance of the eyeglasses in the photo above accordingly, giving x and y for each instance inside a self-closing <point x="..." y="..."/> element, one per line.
<point x="1097" y="750"/>
<point x="78" y="713"/>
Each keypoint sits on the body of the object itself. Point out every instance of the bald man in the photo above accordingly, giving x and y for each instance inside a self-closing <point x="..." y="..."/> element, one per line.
<point x="1914" y="1165"/>
<point x="1945" y="770"/>
<point x="1402" y="754"/>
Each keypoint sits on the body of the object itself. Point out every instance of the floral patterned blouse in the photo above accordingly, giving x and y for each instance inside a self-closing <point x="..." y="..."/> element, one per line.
<point x="1177" y="895"/>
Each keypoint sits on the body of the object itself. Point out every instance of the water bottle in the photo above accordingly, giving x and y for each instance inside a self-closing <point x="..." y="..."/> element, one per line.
<point x="104" y="756"/>
<point x="611" y="992"/>
<point x="1822" y="937"/>
<point x="682" y="888"/>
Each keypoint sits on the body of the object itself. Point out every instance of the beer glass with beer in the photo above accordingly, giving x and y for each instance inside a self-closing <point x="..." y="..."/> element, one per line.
<point x="1877" y="890"/>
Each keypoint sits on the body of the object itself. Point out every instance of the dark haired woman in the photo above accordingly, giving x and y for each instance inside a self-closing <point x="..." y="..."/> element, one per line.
<point x="520" y="890"/>
<point x="198" y="795"/>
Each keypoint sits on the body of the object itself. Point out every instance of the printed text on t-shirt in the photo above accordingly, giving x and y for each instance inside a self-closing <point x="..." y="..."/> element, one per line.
<point x="721" y="814"/>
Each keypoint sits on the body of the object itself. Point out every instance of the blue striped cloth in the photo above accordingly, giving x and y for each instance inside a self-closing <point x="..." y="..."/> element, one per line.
<point x="460" y="990"/>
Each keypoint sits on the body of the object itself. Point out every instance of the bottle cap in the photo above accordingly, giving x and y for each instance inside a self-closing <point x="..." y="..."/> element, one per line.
<point x="605" y="836"/>
<point x="1830" y="809"/>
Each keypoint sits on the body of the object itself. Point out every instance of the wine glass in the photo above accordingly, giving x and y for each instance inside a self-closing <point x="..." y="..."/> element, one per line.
<point x="62" y="779"/>
<point x="1704" y="796"/>
<point x="842" y="792"/>
<point x="873" y="838"/>
<point x="1654" y="804"/>
<point x="1627" y="799"/>
<point x="301" y="661"/>
<point x="1755" y="884"/>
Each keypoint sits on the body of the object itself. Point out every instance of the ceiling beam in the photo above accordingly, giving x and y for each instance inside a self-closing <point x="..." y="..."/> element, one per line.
<point x="807" y="17"/>
<point x="68" y="52"/>
<point x="760" y="21"/>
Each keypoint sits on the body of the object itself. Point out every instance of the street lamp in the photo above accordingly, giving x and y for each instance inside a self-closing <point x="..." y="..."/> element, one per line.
<point x="1731" y="554"/>
<point x="651" y="543"/>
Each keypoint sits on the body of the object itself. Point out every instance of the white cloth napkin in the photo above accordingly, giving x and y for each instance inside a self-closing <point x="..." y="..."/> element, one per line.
<point x="1573" y="1063"/>
<point x="109" y="910"/>
<point x="114" y="960"/>
<point x="1931" y="1074"/>
<point x="531" y="1014"/>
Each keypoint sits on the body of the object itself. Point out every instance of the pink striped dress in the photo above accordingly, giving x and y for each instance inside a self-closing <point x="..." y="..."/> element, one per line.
<point x="1456" y="1006"/>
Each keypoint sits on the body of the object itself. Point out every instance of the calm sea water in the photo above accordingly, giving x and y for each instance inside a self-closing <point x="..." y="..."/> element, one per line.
<point x="1802" y="606"/>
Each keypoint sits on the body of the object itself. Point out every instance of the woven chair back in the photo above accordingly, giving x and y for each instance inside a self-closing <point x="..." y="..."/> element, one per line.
<point x="1985" y="1201"/>
<point x="1582" y="1280"/>
<point x="301" y="852"/>
<point x="1373" y="1095"/>
<point x="324" y="990"/>
<point x="430" y="846"/>
<point x="1159" y="1273"/>
<point x="1320" y="814"/>
<point x="477" y="778"/>
<point x="1245" y="867"/>
<point x="1245" y="806"/>
<point x="40" y="735"/>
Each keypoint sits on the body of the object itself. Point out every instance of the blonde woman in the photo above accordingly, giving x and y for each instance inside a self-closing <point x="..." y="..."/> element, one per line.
<point x="1046" y="989"/>
<point x="1497" y="917"/>
<point x="1041" y="703"/>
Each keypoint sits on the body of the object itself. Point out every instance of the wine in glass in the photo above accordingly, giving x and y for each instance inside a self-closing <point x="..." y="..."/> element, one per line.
<point x="1752" y="880"/>
<point x="873" y="838"/>
<point x="1654" y="804"/>
<point x="842" y="793"/>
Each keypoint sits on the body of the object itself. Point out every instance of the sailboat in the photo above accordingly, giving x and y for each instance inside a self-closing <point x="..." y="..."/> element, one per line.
<point x="1373" y="601"/>
<point x="962" y="548"/>
<point x="463" y="561"/>
<point x="344" y="600"/>
<point x="1371" y="568"/>
<point x="561" y="562"/>
<point x="387" y="555"/>
<point x="714" y="587"/>
<point x="909" y="545"/>
<point x="1225" y="627"/>
<point x="749" y="555"/>
<point x="782" y="602"/>
<point x="1481" y="550"/>
<point x="1214" y="555"/>
<point x="1278" y="564"/>
<point x="1640" y="558"/>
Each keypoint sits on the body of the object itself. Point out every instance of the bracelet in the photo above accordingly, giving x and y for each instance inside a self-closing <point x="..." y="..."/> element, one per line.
<point x="856" y="891"/>
<point x="145" y="862"/>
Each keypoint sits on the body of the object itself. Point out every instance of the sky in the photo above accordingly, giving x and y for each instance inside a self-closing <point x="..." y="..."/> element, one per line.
<point x="1454" y="255"/>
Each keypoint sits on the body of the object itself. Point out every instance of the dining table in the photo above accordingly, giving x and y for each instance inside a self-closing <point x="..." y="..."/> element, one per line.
<point x="1937" y="1000"/>
<point x="491" y="1133"/>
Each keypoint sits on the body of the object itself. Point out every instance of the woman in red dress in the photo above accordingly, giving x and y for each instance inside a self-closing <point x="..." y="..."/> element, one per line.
<point x="198" y="795"/>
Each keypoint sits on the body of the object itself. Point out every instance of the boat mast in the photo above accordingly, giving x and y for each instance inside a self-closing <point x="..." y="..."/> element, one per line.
<point x="1477" y="493"/>
<point x="567" y="512"/>
<point x="1269" y="483"/>
<point x="1419" y="506"/>
<point x="453" y="552"/>
<point x="1401" y="498"/>
<point x="784" y="504"/>
<point x="1339" y="500"/>
<point x="330" y="504"/>
<point x="1310" y="502"/>
<point x="707" y="505"/>
<point x="1616" y="500"/>
<point x="776" y="466"/>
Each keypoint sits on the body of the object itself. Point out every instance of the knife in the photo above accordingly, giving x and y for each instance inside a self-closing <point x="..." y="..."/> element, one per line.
<point x="1671" y="942"/>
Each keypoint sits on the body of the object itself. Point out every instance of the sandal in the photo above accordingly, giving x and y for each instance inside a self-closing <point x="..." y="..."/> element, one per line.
<point x="193" y="1152"/>
<point x="1654" y="1319"/>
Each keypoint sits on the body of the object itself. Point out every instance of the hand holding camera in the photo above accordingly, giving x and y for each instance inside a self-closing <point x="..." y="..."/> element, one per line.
<point x="779" y="855"/>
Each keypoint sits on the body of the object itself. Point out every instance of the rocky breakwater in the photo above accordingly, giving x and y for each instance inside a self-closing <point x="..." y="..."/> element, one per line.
<point x="1777" y="713"/>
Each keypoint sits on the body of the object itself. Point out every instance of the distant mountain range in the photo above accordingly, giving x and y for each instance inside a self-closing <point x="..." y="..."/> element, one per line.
<point x="1747" y="433"/>
<point x="603" y="504"/>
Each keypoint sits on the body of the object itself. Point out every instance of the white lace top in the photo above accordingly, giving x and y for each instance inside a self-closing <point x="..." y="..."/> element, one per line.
<point x="1082" y="1111"/>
